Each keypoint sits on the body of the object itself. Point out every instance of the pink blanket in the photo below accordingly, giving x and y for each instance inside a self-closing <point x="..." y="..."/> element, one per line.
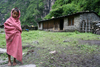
<point x="13" y="37"/>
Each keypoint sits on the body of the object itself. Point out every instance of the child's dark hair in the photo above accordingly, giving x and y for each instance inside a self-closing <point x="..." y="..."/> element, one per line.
<point x="16" y="9"/>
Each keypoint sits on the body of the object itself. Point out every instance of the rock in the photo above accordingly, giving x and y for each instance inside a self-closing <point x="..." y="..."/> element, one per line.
<point x="2" y="51"/>
<point x="30" y="51"/>
<point x="53" y="52"/>
<point x="30" y="65"/>
<point x="23" y="53"/>
<point x="65" y="41"/>
<point x="98" y="32"/>
<point x="3" y="61"/>
<point x="35" y="42"/>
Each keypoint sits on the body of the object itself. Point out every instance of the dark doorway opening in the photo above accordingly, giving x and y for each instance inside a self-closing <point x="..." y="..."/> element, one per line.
<point x="61" y="24"/>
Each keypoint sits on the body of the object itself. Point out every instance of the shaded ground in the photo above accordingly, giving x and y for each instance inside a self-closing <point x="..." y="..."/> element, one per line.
<point x="59" y="59"/>
<point x="90" y="42"/>
<point x="68" y="56"/>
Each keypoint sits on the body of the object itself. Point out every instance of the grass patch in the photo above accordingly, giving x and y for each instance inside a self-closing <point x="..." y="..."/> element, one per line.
<point x="69" y="52"/>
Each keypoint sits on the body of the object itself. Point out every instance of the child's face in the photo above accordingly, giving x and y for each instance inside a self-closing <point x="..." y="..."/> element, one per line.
<point x="15" y="14"/>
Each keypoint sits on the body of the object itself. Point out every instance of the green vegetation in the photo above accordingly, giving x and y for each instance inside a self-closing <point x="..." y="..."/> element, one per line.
<point x="69" y="50"/>
<point x="2" y="39"/>
<point x="31" y="10"/>
<point x="65" y="7"/>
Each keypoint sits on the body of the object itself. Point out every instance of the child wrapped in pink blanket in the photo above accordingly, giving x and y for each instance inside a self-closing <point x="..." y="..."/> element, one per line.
<point x="13" y="32"/>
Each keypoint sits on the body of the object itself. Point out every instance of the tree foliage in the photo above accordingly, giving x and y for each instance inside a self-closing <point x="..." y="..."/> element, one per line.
<point x="65" y="7"/>
<point x="31" y="10"/>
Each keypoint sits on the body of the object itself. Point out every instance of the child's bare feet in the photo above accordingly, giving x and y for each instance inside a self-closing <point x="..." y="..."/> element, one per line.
<point x="9" y="63"/>
<point x="21" y="62"/>
<point x="14" y="63"/>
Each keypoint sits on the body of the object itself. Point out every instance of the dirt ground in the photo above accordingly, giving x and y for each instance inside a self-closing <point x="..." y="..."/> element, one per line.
<point x="87" y="60"/>
<point x="90" y="42"/>
<point x="71" y="60"/>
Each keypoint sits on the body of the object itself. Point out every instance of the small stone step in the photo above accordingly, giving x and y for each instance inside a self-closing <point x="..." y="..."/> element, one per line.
<point x="29" y="65"/>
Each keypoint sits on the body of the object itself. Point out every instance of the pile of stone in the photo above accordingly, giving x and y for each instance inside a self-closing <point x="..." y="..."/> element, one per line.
<point x="97" y="28"/>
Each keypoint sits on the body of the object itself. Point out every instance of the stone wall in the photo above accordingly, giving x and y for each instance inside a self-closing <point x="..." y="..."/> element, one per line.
<point x="88" y="17"/>
<point x="73" y="27"/>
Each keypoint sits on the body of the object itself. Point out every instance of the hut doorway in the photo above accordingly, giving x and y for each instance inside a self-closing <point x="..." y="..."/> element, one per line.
<point x="61" y="24"/>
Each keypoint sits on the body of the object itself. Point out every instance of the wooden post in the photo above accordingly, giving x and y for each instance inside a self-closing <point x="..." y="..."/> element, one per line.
<point x="86" y="27"/>
<point x="83" y="26"/>
<point x="58" y="28"/>
<point x="89" y="26"/>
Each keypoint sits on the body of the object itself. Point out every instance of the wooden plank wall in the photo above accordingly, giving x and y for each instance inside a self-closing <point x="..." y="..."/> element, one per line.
<point x="51" y="24"/>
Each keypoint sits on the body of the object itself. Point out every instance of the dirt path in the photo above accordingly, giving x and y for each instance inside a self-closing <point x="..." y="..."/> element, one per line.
<point x="90" y="42"/>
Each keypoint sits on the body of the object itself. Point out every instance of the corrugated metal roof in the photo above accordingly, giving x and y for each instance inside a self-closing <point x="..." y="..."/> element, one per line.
<point x="68" y="16"/>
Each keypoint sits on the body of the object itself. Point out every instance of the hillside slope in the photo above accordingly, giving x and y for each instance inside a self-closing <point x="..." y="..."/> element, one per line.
<point x="65" y="7"/>
<point x="31" y="10"/>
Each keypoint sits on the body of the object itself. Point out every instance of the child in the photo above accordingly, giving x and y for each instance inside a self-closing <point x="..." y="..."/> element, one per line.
<point x="13" y="32"/>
